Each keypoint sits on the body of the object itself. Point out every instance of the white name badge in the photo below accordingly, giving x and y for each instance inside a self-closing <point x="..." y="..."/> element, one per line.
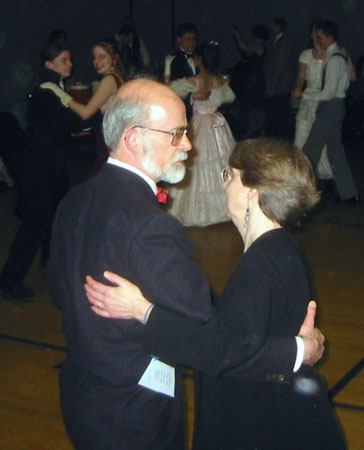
<point x="159" y="377"/>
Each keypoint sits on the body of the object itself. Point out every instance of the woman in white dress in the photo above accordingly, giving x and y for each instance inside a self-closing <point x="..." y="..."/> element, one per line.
<point x="200" y="199"/>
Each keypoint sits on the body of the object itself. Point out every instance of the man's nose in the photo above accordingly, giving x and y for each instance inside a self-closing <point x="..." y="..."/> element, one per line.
<point x="185" y="143"/>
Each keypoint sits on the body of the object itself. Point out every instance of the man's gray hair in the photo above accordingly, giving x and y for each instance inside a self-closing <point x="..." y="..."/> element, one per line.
<point x="121" y="115"/>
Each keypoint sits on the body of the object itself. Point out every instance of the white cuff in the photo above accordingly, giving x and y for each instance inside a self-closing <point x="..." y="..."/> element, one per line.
<point x="300" y="353"/>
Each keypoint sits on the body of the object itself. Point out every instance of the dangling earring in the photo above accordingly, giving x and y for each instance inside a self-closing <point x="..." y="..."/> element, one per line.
<point x="247" y="217"/>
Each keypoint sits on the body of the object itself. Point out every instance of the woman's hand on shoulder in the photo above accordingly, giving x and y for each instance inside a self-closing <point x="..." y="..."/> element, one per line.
<point x="219" y="81"/>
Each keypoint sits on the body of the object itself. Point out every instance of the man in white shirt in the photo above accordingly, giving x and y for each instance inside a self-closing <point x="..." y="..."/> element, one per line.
<point x="181" y="63"/>
<point x="330" y="112"/>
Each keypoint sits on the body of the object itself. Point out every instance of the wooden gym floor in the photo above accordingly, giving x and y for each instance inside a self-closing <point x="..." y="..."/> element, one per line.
<point x="32" y="344"/>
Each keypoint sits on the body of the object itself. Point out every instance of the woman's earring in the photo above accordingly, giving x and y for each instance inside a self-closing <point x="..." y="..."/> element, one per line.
<point x="247" y="212"/>
<point x="247" y="217"/>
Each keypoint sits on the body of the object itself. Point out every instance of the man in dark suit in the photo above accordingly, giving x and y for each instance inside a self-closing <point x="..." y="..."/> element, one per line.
<point x="114" y="222"/>
<point x="279" y="80"/>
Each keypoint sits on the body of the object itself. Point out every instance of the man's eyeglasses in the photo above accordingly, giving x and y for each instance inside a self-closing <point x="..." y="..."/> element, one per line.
<point x="226" y="175"/>
<point x="177" y="134"/>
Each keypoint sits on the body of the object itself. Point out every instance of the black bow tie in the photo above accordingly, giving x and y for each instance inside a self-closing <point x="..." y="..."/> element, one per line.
<point x="187" y="55"/>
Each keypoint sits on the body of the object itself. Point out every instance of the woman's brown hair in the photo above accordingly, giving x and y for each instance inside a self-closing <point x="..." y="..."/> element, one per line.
<point x="281" y="173"/>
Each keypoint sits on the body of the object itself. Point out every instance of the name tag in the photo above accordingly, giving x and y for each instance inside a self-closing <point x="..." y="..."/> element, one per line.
<point x="159" y="377"/>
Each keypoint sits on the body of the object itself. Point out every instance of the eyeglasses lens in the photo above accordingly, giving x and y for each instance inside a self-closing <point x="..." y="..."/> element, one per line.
<point x="177" y="138"/>
<point x="225" y="175"/>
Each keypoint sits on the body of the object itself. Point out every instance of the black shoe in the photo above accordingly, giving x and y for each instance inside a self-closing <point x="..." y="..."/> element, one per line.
<point x="16" y="292"/>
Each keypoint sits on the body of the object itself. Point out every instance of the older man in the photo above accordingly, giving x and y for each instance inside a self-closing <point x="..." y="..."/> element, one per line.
<point x="113" y="394"/>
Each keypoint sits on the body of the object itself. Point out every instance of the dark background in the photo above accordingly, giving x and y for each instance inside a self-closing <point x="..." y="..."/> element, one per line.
<point x="25" y="24"/>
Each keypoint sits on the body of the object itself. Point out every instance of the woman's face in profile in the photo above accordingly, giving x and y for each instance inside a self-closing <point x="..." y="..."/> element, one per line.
<point x="62" y="64"/>
<point x="237" y="198"/>
<point x="102" y="61"/>
<point x="316" y="41"/>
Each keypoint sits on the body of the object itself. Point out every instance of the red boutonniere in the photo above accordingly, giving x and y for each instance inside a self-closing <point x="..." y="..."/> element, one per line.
<point x="162" y="195"/>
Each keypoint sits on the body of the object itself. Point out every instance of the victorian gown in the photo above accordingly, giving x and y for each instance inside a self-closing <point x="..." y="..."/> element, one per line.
<point x="199" y="200"/>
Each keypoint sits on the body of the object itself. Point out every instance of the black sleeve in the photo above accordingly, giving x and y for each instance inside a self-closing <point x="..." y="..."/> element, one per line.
<point x="235" y="341"/>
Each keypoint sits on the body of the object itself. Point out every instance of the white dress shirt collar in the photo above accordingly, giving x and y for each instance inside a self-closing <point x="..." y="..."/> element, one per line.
<point x="185" y="52"/>
<point x="331" y="49"/>
<point x="133" y="169"/>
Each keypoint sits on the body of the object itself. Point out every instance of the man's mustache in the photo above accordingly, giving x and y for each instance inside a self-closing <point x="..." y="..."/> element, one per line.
<point x="182" y="157"/>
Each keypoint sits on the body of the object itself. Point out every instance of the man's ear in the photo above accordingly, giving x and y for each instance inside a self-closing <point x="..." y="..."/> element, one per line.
<point x="133" y="141"/>
<point x="49" y="65"/>
<point x="178" y="40"/>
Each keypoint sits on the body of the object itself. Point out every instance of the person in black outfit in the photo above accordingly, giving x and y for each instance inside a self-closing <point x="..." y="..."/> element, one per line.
<point x="248" y="407"/>
<point x="250" y="88"/>
<point x="133" y="53"/>
<point x="43" y="181"/>
<point x="280" y="68"/>
<point x="12" y="145"/>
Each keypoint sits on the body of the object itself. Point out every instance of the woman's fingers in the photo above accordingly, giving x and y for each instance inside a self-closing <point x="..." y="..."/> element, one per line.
<point x="115" y="278"/>
<point x="100" y="312"/>
<point x="93" y="295"/>
<point x="97" y="286"/>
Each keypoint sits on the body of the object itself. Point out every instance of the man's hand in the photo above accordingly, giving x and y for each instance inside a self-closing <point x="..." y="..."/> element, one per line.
<point x="201" y="94"/>
<point x="312" y="337"/>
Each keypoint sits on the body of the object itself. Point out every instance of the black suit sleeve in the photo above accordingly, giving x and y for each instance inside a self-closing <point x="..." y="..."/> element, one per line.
<point x="161" y="261"/>
<point x="236" y="341"/>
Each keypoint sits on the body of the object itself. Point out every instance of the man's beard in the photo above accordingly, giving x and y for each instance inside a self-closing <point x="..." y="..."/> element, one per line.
<point x="172" y="174"/>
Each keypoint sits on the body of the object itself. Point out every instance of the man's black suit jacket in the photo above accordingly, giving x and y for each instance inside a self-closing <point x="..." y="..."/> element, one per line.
<point x="114" y="222"/>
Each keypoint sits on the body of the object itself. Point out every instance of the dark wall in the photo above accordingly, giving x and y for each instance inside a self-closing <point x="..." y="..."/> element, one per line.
<point x="25" y="24"/>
